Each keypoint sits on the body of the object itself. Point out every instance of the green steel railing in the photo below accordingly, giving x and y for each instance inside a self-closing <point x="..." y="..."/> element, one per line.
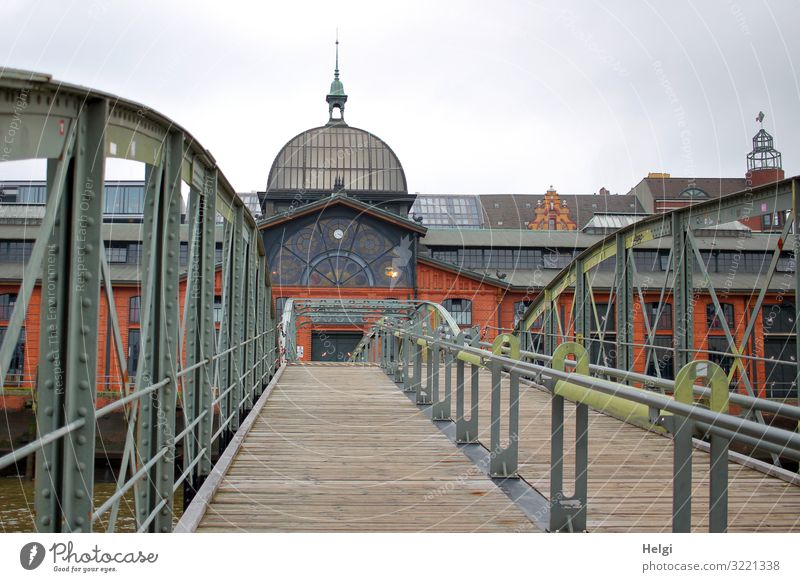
<point x="402" y="349"/>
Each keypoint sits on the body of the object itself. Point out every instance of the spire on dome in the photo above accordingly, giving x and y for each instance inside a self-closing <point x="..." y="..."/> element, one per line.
<point x="336" y="97"/>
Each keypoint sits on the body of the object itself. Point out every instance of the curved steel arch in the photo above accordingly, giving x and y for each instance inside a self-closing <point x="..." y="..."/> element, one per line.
<point x="76" y="128"/>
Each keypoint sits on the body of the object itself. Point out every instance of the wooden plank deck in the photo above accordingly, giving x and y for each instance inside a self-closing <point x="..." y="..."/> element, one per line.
<point x="340" y="448"/>
<point x="630" y="473"/>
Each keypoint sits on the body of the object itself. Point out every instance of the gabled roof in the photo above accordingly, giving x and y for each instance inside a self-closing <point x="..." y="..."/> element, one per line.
<point x="671" y="188"/>
<point x="516" y="210"/>
<point x="343" y="200"/>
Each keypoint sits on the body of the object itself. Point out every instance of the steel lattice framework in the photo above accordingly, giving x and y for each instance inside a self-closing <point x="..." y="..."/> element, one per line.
<point x="182" y="356"/>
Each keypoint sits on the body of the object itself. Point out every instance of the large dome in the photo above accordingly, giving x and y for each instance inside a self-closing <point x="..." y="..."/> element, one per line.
<point x="336" y="157"/>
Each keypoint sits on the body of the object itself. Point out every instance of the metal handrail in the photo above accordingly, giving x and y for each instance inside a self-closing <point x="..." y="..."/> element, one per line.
<point x="388" y="339"/>
<point x="763" y="404"/>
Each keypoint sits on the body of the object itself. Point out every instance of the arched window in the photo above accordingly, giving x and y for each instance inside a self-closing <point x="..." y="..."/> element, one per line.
<point x="343" y="252"/>
<point x="7" y="301"/>
<point x="460" y="309"/>
<point x="135" y="309"/>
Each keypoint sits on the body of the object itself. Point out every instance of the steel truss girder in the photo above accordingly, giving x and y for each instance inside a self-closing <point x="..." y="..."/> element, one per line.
<point x="160" y="336"/>
<point x="69" y="322"/>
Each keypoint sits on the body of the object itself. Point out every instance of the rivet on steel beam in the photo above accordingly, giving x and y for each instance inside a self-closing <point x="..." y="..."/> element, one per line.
<point x="84" y="357"/>
<point x="80" y="520"/>
<point x="79" y="495"/>
<point x="49" y="411"/>
<point x="83" y="385"/>
<point x="88" y="247"/>
<point x="49" y="383"/>
<point x="81" y="439"/>
<point x="82" y="411"/>
<point x="46" y="493"/>
<point x="45" y="520"/>
<point x="80" y="467"/>
<point x="86" y="302"/>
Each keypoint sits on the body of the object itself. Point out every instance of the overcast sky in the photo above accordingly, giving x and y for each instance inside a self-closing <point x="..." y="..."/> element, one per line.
<point x="474" y="97"/>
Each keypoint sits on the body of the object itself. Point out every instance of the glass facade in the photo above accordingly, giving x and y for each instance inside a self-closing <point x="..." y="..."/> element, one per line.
<point x="447" y="211"/>
<point x="343" y="251"/>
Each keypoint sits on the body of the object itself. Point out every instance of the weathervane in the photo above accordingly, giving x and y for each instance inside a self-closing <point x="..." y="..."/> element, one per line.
<point x="760" y="118"/>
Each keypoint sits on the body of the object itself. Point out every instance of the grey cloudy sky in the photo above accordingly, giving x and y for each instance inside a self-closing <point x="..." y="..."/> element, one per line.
<point x="474" y="97"/>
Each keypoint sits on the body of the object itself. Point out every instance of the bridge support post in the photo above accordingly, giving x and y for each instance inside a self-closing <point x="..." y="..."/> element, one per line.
<point x="550" y="329"/>
<point x="67" y="383"/>
<point x="568" y="514"/>
<point x="583" y="306"/>
<point x="796" y="248"/>
<point x="624" y="306"/>
<point x="160" y="336"/>
<point x="683" y="291"/>
<point x="199" y="325"/>
<point x="249" y="322"/>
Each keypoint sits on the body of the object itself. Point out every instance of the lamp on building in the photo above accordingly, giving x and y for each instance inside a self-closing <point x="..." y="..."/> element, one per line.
<point x="392" y="272"/>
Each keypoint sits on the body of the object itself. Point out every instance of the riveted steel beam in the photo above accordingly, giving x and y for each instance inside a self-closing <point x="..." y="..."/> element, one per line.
<point x="624" y="305"/>
<point x="160" y="335"/>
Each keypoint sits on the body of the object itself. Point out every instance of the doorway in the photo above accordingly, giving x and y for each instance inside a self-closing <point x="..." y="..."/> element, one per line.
<point x="333" y="346"/>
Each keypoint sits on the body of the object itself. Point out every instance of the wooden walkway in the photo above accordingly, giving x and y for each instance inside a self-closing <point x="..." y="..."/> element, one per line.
<point x="340" y="448"/>
<point x="630" y="473"/>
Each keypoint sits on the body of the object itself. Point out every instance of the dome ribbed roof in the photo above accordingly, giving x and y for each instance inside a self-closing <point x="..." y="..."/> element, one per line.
<point x="315" y="160"/>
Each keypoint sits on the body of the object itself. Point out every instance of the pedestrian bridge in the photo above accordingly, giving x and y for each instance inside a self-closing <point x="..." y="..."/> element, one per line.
<point x="422" y="434"/>
<point x="428" y="428"/>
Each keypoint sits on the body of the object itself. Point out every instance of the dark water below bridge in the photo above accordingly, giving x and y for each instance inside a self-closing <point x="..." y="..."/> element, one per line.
<point x="16" y="506"/>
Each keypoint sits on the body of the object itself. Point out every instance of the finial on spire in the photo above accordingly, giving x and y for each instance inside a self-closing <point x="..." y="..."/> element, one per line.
<point x="336" y="70"/>
<point x="336" y="96"/>
<point x="759" y="117"/>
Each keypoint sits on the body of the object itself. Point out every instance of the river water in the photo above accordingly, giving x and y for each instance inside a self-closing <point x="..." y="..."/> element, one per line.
<point x="16" y="506"/>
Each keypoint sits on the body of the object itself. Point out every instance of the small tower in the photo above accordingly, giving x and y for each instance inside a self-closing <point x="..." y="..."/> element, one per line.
<point x="336" y="96"/>
<point x="764" y="162"/>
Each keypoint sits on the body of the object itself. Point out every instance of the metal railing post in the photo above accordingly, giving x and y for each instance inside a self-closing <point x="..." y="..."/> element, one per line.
<point x="568" y="513"/>
<point x="398" y="365"/>
<point x="467" y="428"/>
<point x="683" y="429"/>
<point x="504" y="459"/>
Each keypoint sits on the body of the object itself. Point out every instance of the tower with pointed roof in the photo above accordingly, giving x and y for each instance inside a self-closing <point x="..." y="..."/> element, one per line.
<point x="336" y="97"/>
